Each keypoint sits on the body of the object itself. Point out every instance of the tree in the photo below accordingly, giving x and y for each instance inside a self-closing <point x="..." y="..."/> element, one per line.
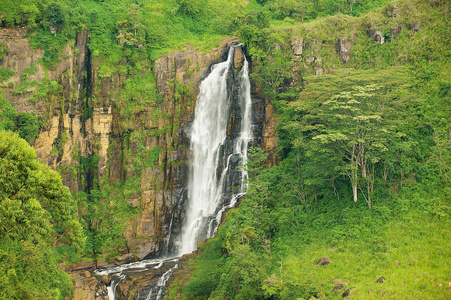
<point x="351" y="129"/>
<point x="131" y="32"/>
<point x="37" y="213"/>
<point x="28" y="126"/>
<point x="54" y="15"/>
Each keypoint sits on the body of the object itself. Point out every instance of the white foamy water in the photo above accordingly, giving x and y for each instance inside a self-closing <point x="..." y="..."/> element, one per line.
<point x="208" y="134"/>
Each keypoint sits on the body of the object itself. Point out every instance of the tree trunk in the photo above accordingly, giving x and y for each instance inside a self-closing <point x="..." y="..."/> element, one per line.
<point x="354" y="191"/>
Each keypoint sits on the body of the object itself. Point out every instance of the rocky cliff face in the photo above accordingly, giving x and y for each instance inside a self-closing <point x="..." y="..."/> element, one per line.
<point x="88" y="137"/>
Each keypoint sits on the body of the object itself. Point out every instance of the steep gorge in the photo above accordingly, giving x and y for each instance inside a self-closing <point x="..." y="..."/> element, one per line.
<point x="104" y="151"/>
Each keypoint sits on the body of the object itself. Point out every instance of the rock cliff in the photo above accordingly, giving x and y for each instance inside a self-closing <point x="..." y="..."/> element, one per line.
<point x="108" y="153"/>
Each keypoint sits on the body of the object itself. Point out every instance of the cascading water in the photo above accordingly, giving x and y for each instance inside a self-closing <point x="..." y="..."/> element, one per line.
<point x="206" y="187"/>
<point x="215" y="182"/>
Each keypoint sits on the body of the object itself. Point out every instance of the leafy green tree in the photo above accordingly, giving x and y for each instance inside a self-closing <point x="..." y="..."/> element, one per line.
<point x="352" y="127"/>
<point x="37" y="213"/>
<point x="131" y="32"/>
<point x="8" y="114"/>
<point x="28" y="126"/>
<point x="55" y="16"/>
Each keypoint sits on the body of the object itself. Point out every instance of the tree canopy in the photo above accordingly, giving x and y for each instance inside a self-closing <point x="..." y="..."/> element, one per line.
<point x="37" y="213"/>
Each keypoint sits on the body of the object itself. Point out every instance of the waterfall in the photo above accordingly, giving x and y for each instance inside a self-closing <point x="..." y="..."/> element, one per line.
<point x="206" y="183"/>
<point x="215" y="183"/>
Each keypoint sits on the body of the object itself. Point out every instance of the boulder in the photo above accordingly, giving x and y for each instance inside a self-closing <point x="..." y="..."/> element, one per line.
<point x="106" y="279"/>
<point x="339" y="281"/>
<point x="323" y="261"/>
<point x="346" y="293"/>
<point x="87" y="274"/>
<point x="338" y="287"/>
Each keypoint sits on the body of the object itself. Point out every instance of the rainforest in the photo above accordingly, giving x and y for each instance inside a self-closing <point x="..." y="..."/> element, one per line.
<point x="241" y="149"/>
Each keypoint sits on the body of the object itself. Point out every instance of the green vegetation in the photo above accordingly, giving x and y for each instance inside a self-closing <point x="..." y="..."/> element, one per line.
<point x="3" y="50"/>
<point x="26" y="125"/>
<point x="5" y="74"/>
<point x="365" y="148"/>
<point x="37" y="213"/>
<point x="363" y="177"/>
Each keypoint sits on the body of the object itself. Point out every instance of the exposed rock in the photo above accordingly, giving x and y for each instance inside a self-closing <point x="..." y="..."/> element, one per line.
<point x="122" y="259"/>
<point x="297" y="47"/>
<point x="101" y="263"/>
<point x="377" y="36"/>
<point x="101" y="292"/>
<point x="346" y="293"/>
<point x="269" y="132"/>
<point x="338" y="287"/>
<point x="87" y="274"/>
<point x="238" y="58"/>
<point x="339" y="281"/>
<point x="82" y="266"/>
<point x="323" y="261"/>
<point x="106" y="279"/>
<point x="309" y="60"/>
<point x="344" y="49"/>
<point x="381" y="279"/>
<point x="319" y="71"/>
<point x="85" y="288"/>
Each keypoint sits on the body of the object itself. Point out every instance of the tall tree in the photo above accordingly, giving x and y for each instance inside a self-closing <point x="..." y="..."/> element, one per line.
<point x="37" y="213"/>
<point x="351" y="129"/>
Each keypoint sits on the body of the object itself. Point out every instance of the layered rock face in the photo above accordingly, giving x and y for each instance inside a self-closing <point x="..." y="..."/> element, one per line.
<point x="84" y="124"/>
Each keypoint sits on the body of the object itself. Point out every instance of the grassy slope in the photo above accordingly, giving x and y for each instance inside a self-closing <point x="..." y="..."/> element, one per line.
<point x="412" y="252"/>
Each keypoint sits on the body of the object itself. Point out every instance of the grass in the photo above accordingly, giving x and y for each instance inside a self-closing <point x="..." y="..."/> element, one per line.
<point x="414" y="254"/>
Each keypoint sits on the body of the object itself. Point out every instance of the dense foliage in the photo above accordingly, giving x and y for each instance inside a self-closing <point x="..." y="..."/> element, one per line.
<point x="37" y="213"/>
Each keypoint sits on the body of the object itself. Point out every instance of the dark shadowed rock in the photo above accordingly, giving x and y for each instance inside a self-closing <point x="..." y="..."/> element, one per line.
<point x="346" y="293"/>
<point x="323" y="261"/>
<point x="338" y="287"/>
<point x="381" y="279"/>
